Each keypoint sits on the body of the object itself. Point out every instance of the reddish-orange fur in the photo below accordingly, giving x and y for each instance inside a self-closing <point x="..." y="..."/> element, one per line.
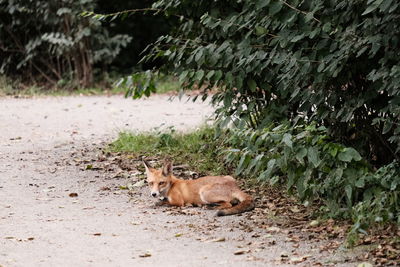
<point x="212" y="190"/>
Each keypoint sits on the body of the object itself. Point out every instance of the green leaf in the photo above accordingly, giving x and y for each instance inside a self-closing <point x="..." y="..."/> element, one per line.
<point x="287" y="140"/>
<point x="360" y="183"/>
<point x="301" y="154"/>
<point x="210" y="74"/>
<point x="291" y="178"/>
<point x="313" y="156"/>
<point x="297" y="38"/>
<point x="349" y="192"/>
<point x="262" y="3"/>
<point x="183" y="75"/>
<point x="321" y="67"/>
<point x="244" y="161"/>
<point x="218" y="75"/>
<point x="369" y="9"/>
<point x="327" y="27"/>
<point x="333" y="151"/>
<point x="275" y="7"/>
<point x="252" y="85"/>
<point x="260" y="30"/>
<point x="349" y="154"/>
<point x="199" y="75"/>
<point x="387" y="126"/>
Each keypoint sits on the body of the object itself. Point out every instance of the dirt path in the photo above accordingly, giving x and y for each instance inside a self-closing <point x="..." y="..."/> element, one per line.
<point x="43" y="224"/>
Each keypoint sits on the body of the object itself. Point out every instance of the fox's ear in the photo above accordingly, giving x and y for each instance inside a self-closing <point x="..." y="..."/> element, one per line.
<point x="147" y="166"/>
<point x="167" y="169"/>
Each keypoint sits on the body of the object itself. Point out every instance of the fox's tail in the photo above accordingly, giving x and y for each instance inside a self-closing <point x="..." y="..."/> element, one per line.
<point x="246" y="203"/>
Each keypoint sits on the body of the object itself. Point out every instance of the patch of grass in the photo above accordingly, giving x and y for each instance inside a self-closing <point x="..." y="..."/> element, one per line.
<point x="168" y="84"/>
<point x="11" y="87"/>
<point x="198" y="149"/>
<point x="40" y="91"/>
<point x="6" y="86"/>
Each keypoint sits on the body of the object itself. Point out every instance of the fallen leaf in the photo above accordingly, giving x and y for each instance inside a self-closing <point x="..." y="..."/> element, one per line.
<point x="300" y="259"/>
<point x="295" y="209"/>
<point x="145" y="255"/>
<point x="273" y="229"/>
<point x="31" y="238"/>
<point x="314" y="223"/>
<point x="220" y="239"/>
<point x="97" y="234"/>
<point x="73" y="194"/>
<point x="178" y="235"/>
<point x="240" y="252"/>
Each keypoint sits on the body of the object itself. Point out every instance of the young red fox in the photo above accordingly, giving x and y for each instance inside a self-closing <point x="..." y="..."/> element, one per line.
<point x="219" y="191"/>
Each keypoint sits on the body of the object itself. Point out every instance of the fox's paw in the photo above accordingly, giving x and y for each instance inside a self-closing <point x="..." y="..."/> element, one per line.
<point x="160" y="202"/>
<point x="220" y="213"/>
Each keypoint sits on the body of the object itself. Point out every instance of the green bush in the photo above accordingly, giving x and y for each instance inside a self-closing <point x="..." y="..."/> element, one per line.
<point x="335" y="63"/>
<point x="315" y="168"/>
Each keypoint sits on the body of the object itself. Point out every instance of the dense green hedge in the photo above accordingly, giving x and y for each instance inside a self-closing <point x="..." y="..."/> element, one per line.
<point x="313" y="167"/>
<point x="332" y="62"/>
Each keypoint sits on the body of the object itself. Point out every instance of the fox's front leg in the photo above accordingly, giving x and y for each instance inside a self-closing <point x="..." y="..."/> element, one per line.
<point x="161" y="202"/>
<point x="176" y="200"/>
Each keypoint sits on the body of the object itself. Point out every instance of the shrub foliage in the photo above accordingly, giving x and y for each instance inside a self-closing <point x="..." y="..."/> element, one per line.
<point x="331" y="65"/>
<point x="332" y="62"/>
<point x="316" y="168"/>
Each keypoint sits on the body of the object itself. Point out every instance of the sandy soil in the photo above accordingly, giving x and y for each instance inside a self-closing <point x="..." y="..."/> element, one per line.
<point x="42" y="224"/>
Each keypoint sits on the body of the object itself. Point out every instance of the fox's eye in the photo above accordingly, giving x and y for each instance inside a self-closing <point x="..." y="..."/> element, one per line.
<point x="161" y="183"/>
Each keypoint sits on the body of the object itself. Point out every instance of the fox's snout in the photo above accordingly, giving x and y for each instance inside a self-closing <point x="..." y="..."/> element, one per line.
<point x="155" y="194"/>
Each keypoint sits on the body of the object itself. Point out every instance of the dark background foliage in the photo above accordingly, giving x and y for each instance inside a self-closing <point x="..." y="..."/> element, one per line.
<point x="49" y="42"/>
<point x="143" y="27"/>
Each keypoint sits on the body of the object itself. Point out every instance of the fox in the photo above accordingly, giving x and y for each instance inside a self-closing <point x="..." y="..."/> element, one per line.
<point x="219" y="192"/>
